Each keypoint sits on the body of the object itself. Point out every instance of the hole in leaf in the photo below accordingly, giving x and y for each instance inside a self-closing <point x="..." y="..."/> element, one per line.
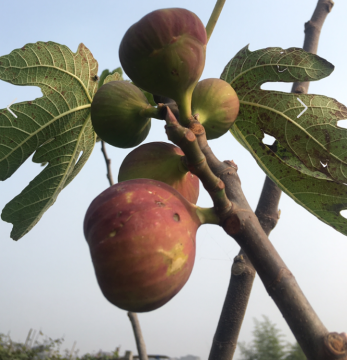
<point x="79" y="156"/>
<point x="324" y="164"/>
<point x="268" y="139"/>
<point x="343" y="213"/>
<point x="275" y="86"/>
<point x="281" y="52"/>
<point x="342" y="124"/>
<point x="281" y="69"/>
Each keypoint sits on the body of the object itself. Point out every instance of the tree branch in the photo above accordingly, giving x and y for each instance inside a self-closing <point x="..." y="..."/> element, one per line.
<point x="239" y="221"/>
<point x="140" y="343"/>
<point x="240" y="286"/>
<point x="312" y="32"/>
<point x="241" y="280"/>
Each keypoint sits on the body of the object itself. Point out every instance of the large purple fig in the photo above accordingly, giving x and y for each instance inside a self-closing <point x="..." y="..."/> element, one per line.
<point x="117" y="114"/>
<point x="164" y="53"/>
<point x="160" y="161"/>
<point x="141" y="235"/>
<point x="217" y="104"/>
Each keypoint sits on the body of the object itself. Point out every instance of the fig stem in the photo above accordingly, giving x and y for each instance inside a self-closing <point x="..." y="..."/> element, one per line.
<point x="185" y="109"/>
<point x="182" y="165"/>
<point x="152" y="112"/>
<point x="207" y="215"/>
<point x="214" y="18"/>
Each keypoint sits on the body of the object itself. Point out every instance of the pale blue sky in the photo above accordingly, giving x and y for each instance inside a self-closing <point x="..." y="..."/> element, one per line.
<point x="47" y="280"/>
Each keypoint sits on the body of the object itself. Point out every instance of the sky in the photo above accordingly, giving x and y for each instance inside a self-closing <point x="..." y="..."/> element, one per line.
<point x="47" y="279"/>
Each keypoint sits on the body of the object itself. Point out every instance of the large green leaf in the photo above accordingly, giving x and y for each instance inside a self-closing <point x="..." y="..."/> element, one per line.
<point x="248" y="70"/>
<point x="323" y="198"/>
<point x="308" y="158"/>
<point x="57" y="126"/>
<point x="311" y="134"/>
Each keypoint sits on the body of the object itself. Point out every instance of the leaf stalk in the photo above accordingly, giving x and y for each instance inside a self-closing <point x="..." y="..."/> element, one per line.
<point x="214" y="18"/>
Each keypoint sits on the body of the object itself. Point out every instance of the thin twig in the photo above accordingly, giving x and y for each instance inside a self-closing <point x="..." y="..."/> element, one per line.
<point x="214" y="18"/>
<point x="312" y="32"/>
<point x="108" y="163"/>
<point x="140" y="343"/>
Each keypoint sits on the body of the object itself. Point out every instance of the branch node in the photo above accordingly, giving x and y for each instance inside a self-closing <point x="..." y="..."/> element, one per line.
<point x="282" y="273"/>
<point x="189" y="136"/>
<point x="310" y="25"/>
<point x="232" y="224"/>
<point x="196" y="127"/>
<point x="231" y="163"/>
<point x="336" y="344"/>
<point x="238" y="266"/>
<point x="300" y="90"/>
<point x="330" y="5"/>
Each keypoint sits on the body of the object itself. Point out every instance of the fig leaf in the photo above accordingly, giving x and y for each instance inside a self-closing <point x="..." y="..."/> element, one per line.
<point x="308" y="160"/>
<point x="322" y="197"/>
<point x="56" y="127"/>
<point x="107" y="76"/>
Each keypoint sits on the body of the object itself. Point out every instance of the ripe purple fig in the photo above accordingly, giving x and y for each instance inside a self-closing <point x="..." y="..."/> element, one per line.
<point x="141" y="235"/>
<point x="164" y="53"/>
<point x="160" y="161"/>
<point x="116" y="113"/>
<point x="217" y="104"/>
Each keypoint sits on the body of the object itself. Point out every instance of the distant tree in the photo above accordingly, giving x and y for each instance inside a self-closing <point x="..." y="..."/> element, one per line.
<point x="268" y="344"/>
<point x="295" y="353"/>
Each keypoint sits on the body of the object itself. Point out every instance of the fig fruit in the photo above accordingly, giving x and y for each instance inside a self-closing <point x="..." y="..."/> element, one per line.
<point x="164" y="53"/>
<point x="116" y="113"/>
<point x="160" y="161"/>
<point x="141" y="235"/>
<point x="217" y="104"/>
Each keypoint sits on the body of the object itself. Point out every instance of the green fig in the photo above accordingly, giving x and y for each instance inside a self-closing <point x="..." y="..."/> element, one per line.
<point x="117" y="114"/>
<point x="160" y="161"/>
<point x="141" y="234"/>
<point x="217" y="104"/>
<point x="164" y="53"/>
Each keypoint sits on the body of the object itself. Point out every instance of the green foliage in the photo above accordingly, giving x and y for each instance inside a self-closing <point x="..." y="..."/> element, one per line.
<point x="56" y="127"/>
<point x="303" y="143"/>
<point x="268" y="344"/>
<point x="47" y="349"/>
<point x="107" y="72"/>
<point x="295" y="352"/>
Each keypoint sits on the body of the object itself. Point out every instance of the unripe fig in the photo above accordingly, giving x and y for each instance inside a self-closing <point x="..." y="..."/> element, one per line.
<point x="116" y="114"/>
<point x="164" y="53"/>
<point x="217" y="104"/>
<point x="160" y="161"/>
<point x="141" y="235"/>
